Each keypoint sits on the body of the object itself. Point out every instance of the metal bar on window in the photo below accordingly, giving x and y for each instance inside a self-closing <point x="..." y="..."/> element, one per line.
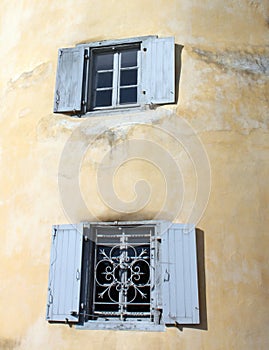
<point x="122" y="274"/>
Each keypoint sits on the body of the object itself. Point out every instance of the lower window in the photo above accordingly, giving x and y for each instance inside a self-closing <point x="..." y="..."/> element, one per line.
<point x="119" y="275"/>
<point x="126" y="275"/>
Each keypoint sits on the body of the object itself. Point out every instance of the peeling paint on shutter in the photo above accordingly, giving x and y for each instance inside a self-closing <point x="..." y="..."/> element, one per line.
<point x="68" y="91"/>
<point x="158" y="70"/>
<point x="65" y="273"/>
<point x="179" y="275"/>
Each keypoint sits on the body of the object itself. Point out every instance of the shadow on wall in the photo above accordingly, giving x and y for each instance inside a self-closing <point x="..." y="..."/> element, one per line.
<point x="178" y="52"/>
<point x="201" y="283"/>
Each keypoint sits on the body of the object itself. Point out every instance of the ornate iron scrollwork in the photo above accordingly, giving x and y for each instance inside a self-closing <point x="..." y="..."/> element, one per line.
<point x="122" y="275"/>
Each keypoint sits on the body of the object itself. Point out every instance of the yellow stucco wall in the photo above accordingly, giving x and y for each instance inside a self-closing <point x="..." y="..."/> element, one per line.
<point x="222" y="94"/>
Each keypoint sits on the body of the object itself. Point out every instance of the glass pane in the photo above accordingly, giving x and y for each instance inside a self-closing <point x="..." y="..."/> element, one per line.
<point x="128" y="95"/>
<point x="129" y="58"/>
<point x="103" y="98"/>
<point x="104" y="79"/>
<point x="128" y="77"/>
<point x="104" y="61"/>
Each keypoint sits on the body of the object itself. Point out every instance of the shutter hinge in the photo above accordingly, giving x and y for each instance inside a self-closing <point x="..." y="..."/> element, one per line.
<point x="74" y="314"/>
<point x="50" y="298"/>
<point x="57" y="99"/>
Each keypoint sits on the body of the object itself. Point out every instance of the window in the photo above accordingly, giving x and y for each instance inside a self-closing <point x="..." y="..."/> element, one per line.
<point x="126" y="275"/>
<point x="115" y="74"/>
<point x="115" y="77"/>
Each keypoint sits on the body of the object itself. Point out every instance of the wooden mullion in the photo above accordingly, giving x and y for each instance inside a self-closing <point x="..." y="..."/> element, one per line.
<point x="127" y="86"/>
<point x="115" y="79"/>
<point x="129" y="68"/>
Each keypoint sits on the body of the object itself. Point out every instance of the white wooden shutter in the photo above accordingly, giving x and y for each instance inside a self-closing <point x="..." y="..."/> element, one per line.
<point x="68" y="90"/>
<point x="179" y="275"/>
<point x="65" y="273"/>
<point x="158" y="70"/>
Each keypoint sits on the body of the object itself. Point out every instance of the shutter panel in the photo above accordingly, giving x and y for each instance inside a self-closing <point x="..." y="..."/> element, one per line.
<point x="179" y="275"/>
<point x="65" y="273"/>
<point x="68" y="91"/>
<point x="158" y="70"/>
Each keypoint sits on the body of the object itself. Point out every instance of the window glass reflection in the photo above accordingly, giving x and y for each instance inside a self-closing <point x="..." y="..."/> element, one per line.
<point x="128" y="95"/>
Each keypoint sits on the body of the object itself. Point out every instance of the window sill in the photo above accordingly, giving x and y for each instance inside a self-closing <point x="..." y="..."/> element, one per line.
<point x="116" y="111"/>
<point x="125" y="326"/>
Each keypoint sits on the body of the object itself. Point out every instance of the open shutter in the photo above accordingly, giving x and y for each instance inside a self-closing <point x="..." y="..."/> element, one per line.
<point x="158" y="70"/>
<point x="65" y="273"/>
<point x="68" y="91"/>
<point x="179" y="275"/>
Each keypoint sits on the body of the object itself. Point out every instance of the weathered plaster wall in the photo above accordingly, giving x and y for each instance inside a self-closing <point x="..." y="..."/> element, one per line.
<point x="223" y="94"/>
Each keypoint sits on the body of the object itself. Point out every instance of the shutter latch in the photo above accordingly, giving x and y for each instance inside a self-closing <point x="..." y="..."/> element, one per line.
<point x="167" y="276"/>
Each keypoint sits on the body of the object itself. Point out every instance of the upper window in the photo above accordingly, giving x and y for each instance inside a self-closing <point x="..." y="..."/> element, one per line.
<point x="126" y="275"/>
<point x="115" y="77"/>
<point x="115" y="74"/>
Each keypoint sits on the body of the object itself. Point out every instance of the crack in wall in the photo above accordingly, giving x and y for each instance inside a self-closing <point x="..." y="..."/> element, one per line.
<point x="27" y="79"/>
<point x="241" y="61"/>
<point x="8" y="344"/>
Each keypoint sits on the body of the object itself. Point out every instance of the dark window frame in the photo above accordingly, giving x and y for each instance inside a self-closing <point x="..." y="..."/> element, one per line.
<point x="116" y="72"/>
<point x="92" y="316"/>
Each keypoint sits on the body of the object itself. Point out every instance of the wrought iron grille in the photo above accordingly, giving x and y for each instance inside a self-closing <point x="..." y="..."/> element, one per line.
<point x="123" y="273"/>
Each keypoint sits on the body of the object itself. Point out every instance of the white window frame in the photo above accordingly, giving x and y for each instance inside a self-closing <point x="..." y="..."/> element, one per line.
<point x="137" y="321"/>
<point x="91" y="77"/>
